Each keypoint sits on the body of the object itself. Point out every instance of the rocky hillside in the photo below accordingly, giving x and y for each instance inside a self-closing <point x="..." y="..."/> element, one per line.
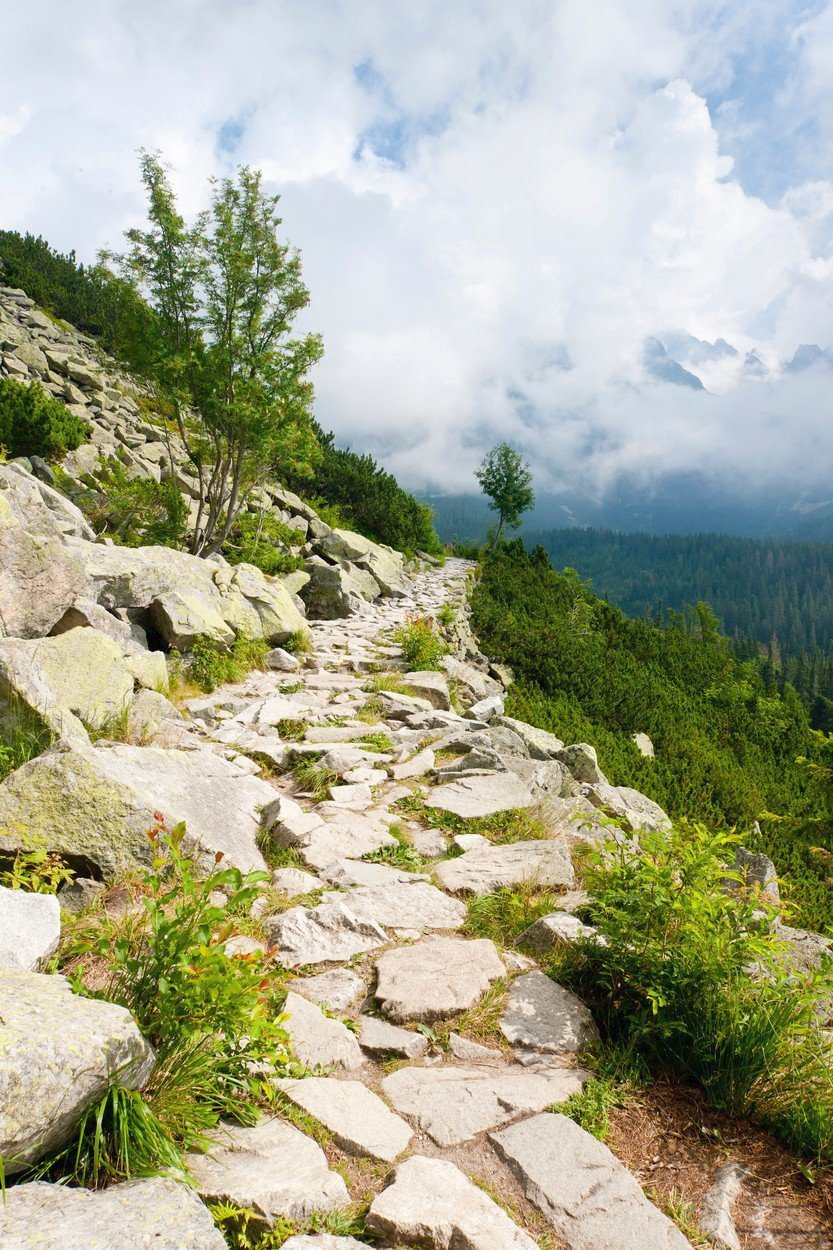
<point x="424" y="1069"/>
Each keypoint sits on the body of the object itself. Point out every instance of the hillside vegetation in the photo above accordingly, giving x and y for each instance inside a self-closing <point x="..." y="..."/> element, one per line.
<point x="728" y="750"/>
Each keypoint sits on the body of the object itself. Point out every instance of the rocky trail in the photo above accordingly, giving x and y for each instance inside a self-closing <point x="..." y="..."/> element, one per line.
<point x="387" y="996"/>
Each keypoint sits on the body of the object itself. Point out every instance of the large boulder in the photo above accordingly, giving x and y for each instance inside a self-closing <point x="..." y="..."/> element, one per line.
<point x="385" y="565"/>
<point x="332" y="592"/>
<point x="58" y="1054"/>
<point x="186" y="598"/>
<point x="79" y="675"/>
<point x="39" y="579"/>
<point x="95" y="805"/>
<point x="156" y="1212"/>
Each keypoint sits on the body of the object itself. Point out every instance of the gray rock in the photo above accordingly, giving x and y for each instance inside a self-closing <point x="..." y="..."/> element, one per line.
<point x="323" y="1241"/>
<point x="153" y="718"/>
<point x="485" y="869"/>
<point x="80" y="894"/>
<point x="405" y="905"/>
<point x="331" y="593"/>
<point x="758" y="872"/>
<point x="585" y="1193"/>
<point x="30" y="928"/>
<point x="644" y="745"/>
<point x="716" y="1207"/>
<point x="328" y="933"/>
<point x="381" y="1038"/>
<point x="540" y="744"/>
<point x="340" y="989"/>
<point x="281" y="661"/>
<point x="582" y="762"/>
<point x="156" y="1212"/>
<point x="416" y="766"/>
<point x="431" y="686"/>
<point x="636" y="811"/>
<point x="453" y="1104"/>
<point x="386" y="566"/>
<point x="472" y="797"/>
<point x="436" y="978"/>
<point x="294" y="881"/>
<point x="431" y="1203"/>
<point x="358" y="1119"/>
<point x="467" y="1051"/>
<point x="317" y="1040"/>
<point x="559" y="929"/>
<point x="272" y="1168"/>
<point x="97" y="804"/>
<point x="429" y="842"/>
<point x="543" y="1017"/>
<point x="350" y="873"/>
<point x="486" y="709"/>
<point x="58" y="1054"/>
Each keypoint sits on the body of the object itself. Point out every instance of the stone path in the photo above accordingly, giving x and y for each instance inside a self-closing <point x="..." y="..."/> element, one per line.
<point x="374" y="898"/>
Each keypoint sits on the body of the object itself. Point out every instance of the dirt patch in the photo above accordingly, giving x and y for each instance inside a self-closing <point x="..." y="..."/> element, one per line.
<point x="673" y="1142"/>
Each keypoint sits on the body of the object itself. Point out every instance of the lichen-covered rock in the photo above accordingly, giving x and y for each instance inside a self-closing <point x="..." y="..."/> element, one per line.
<point x="332" y="592"/>
<point x="81" y="674"/>
<point x="58" y="1053"/>
<point x="386" y="566"/>
<point x="96" y="804"/>
<point x="39" y="578"/>
<point x="156" y="1212"/>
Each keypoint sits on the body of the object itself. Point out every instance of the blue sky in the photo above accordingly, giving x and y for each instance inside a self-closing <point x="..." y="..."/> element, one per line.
<point x="498" y="205"/>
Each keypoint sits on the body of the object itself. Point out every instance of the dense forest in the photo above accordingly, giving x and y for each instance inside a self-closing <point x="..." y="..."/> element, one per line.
<point x="757" y="587"/>
<point x="730" y="749"/>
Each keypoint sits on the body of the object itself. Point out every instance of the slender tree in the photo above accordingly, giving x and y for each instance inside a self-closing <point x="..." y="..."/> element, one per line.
<point x="506" y="482"/>
<point x="226" y="292"/>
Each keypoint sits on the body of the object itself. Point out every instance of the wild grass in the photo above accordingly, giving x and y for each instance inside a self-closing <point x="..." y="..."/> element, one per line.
<point x="422" y="646"/>
<point x="385" y="682"/>
<point x="591" y="1108"/>
<point x="504" y="915"/>
<point x="314" y="780"/>
<point x="401" y="855"/>
<point x="518" y="825"/>
<point x="22" y="737"/>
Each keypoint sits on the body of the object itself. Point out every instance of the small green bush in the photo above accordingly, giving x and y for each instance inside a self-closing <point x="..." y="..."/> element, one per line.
<point x="212" y="667"/>
<point x="421" y="645"/>
<point x="260" y="538"/>
<point x="134" y="512"/>
<point x="33" y="423"/>
<point x="694" y="982"/>
<point x="211" y="1018"/>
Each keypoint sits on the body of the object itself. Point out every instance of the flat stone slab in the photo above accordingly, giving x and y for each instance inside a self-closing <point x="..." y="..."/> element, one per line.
<point x="294" y="881"/>
<point x="435" y="978"/>
<point x="416" y="766"/>
<point x="340" y="989"/>
<point x="344" y="835"/>
<point x="30" y="928"/>
<point x="488" y="868"/>
<point x="432" y="1203"/>
<point x="472" y="797"/>
<point x="59" y="1052"/>
<point x="559" y="929"/>
<point x="590" y="1199"/>
<point x="273" y="1168"/>
<point x="317" y="1040"/>
<point x="542" y="1016"/>
<point x="328" y="933"/>
<point x="405" y="905"/>
<point x="349" y="873"/>
<point x="322" y="1241"/>
<point x="156" y="1212"/>
<point x="381" y="1038"/>
<point x="358" y="1119"/>
<point x="454" y="1104"/>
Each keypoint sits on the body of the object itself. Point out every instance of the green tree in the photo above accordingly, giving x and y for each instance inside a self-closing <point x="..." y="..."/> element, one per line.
<point x="506" y="482"/>
<point x="225" y="293"/>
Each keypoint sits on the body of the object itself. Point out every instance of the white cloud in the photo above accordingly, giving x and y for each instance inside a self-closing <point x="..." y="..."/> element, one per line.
<point x="485" y="195"/>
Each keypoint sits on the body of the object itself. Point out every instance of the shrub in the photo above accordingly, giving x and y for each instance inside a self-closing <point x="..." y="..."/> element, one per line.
<point x="34" y="868"/>
<point x="210" y="1017"/>
<point x="134" y="512"/>
<point x="33" y="423"/>
<point x="260" y="538"/>
<point x="212" y="667"/>
<point x="692" y="980"/>
<point x="421" y="645"/>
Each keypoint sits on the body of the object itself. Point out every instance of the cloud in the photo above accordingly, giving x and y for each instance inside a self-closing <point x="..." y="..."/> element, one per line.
<point x="497" y="206"/>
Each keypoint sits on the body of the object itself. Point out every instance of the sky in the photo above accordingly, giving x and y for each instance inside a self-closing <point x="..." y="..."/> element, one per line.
<point x="516" y="220"/>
